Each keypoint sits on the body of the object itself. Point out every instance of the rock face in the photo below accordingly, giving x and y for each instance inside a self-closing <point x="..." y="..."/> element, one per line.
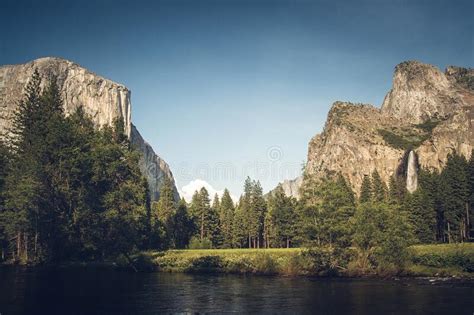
<point x="291" y="187"/>
<point x="152" y="166"/>
<point x="427" y="111"/>
<point x="102" y="99"/>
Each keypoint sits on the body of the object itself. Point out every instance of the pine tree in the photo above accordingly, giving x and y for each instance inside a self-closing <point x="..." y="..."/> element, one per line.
<point x="213" y="223"/>
<point x="259" y="208"/>
<point x="226" y="216"/>
<point x="239" y="228"/>
<point x="23" y="183"/>
<point x="165" y="210"/>
<point x="280" y="219"/>
<point x="325" y="209"/>
<point x="184" y="225"/>
<point x="378" y="189"/>
<point x="456" y="196"/>
<point x="422" y="215"/>
<point x="201" y="212"/>
<point x="365" y="190"/>
<point x="470" y="215"/>
<point x="4" y="165"/>
<point x="396" y="190"/>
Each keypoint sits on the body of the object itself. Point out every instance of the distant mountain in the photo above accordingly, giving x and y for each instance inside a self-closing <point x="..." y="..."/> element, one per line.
<point x="102" y="99"/>
<point x="427" y="111"/>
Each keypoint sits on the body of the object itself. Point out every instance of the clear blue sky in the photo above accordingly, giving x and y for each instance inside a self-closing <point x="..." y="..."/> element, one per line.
<point x="225" y="89"/>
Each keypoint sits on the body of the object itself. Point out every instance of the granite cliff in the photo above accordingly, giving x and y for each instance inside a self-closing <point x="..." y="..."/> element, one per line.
<point x="102" y="99"/>
<point x="426" y="115"/>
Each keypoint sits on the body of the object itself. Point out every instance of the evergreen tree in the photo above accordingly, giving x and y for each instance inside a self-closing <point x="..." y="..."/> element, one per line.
<point x="456" y="197"/>
<point x="184" y="225"/>
<point x="213" y="223"/>
<point x="382" y="234"/>
<point x="203" y="215"/>
<point x="379" y="189"/>
<point x="239" y="228"/>
<point x="280" y="219"/>
<point x="326" y="208"/>
<point x="365" y="190"/>
<point x="165" y="210"/>
<point x="259" y="208"/>
<point x="397" y="189"/>
<point x="470" y="216"/>
<point x="226" y="217"/>
<point x="4" y="165"/>
<point x="422" y="215"/>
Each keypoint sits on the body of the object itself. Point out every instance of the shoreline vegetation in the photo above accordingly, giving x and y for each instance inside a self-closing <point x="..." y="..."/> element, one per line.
<point x="439" y="260"/>
<point x="442" y="261"/>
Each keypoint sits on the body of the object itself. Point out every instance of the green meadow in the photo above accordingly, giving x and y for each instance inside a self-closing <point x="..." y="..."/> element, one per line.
<point x="425" y="260"/>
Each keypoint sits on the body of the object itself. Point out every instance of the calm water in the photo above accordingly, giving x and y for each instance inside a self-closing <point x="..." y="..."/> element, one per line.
<point x="115" y="292"/>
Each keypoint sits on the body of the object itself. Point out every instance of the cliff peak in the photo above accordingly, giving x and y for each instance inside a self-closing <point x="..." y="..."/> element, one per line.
<point x="419" y="93"/>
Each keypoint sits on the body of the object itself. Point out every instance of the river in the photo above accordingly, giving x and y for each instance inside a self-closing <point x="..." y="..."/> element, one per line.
<point x="79" y="291"/>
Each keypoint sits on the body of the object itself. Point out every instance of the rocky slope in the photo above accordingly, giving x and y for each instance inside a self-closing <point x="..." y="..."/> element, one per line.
<point x="427" y="111"/>
<point x="102" y="99"/>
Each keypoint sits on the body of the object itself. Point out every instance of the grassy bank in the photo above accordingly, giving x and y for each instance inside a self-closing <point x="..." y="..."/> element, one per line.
<point x="442" y="260"/>
<point x="426" y="260"/>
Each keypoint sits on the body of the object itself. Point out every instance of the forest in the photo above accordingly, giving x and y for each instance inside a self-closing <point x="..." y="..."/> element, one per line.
<point x="70" y="192"/>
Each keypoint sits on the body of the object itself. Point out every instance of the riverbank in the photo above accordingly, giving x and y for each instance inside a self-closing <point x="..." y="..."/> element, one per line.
<point x="443" y="260"/>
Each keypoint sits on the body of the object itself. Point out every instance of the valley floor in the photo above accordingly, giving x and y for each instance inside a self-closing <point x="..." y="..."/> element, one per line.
<point x="443" y="260"/>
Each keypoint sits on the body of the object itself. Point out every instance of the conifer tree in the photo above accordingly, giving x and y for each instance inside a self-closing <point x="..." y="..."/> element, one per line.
<point x="365" y="190"/>
<point x="326" y="207"/>
<point x="379" y="189"/>
<point x="200" y="209"/>
<point x="422" y="215"/>
<point x="396" y="190"/>
<point x="456" y="196"/>
<point x="213" y="223"/>
<point x="280" y="219"/>
<point x="184" y="226"/>
<point x="226" y="216"/>
<point x="259" y="208"/>
<point x="165" y="211"/>
<point x="239" y="228"/>
<point x="470" y="215"/>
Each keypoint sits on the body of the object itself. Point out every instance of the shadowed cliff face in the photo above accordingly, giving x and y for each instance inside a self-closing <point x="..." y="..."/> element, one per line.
<point x="102" y="99"/>
<point x="426" y="110"/>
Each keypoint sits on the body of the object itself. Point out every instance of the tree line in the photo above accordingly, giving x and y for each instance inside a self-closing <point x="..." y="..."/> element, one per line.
<point x="329" y="213"/>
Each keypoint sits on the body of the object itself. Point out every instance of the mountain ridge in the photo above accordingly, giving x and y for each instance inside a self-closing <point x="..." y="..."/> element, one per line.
<point x="426" y="110"/>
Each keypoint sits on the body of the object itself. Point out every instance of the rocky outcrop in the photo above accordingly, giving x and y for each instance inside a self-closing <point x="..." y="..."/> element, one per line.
<point x="427" y="111"/>
<point x="152" y="166"/>
<point x="291" y="187"/>
<point x="421" y="92"/>
<point x="102" y="99"/>
<point x="352" y="145"/>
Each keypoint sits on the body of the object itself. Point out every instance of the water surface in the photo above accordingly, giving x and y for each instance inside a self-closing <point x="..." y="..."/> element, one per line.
<point x="80" y="291"/>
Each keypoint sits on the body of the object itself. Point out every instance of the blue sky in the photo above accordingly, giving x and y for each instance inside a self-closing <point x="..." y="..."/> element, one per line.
<point x="226" y="89"/>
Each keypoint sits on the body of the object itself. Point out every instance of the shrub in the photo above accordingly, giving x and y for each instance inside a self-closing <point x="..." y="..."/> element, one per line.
<point x="328" y="260"/>
<point x="444" y="256"/>
<point x="205" y="264"/>
<point x="263" y="263"/>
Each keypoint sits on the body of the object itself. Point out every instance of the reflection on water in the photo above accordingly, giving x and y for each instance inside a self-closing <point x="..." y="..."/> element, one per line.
<point x="105" y="291"/>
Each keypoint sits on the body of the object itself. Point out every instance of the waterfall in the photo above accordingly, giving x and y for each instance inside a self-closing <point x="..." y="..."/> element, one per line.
<point x="412" y="176"/>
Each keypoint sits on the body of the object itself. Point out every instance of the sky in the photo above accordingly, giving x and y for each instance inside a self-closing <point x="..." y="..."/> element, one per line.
<point x="228" y="89"/>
